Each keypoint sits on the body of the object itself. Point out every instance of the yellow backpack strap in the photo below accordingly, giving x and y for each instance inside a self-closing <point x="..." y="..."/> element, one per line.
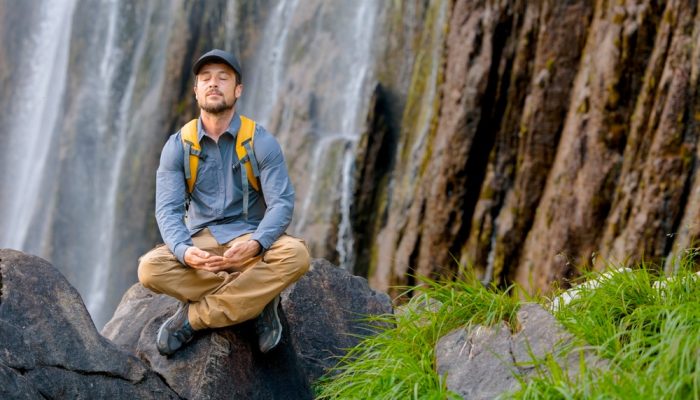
<point x="246" y="157"/>
<point x="244" y="150"/>
<point x="193" y="150"/>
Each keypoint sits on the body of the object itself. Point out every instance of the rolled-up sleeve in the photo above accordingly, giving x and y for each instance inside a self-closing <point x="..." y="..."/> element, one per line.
<point x="171" y="194"/>
<point x="277" y="189"/>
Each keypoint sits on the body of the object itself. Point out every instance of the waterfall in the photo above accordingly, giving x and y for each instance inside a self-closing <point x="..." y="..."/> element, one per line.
<point x="266" y="78"/>
<point x="115" y="118"/>
<point x="37" y="97"/>
<point x="317" y="61"/>
<point x="356" y="99"/>
<point x="73" y="151"/>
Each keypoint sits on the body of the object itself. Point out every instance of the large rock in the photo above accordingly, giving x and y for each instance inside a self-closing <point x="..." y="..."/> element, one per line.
<point x="482" y="362"/>
<point x="322" y="315"/>
<point x="50" y="347"/>
<point x="223" y="363"/>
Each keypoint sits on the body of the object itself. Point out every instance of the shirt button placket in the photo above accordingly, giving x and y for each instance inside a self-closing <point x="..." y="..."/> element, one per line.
<point x="220" y="199"/>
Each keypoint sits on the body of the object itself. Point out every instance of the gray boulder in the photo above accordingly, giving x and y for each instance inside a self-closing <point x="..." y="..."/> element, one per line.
<point x="476" y="361"/>
<point x="482" y="362"/>
<point x="49" y="346"/>
<point x="322" y="316"/>
<point x="327" y="311"/>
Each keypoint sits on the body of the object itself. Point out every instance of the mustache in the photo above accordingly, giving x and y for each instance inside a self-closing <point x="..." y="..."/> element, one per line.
<point x="214" y="91"/>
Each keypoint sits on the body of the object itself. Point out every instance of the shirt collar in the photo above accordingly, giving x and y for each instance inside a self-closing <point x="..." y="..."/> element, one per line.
<point x="233" y="127"/>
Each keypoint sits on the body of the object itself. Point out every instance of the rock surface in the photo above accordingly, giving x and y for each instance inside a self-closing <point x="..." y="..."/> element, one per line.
<point x="561" y="134"/>
<point x="325" y="310"/>
<point x="483" y="362"/>
<point x="50" y="347"/>
<point x="321" y="314"/>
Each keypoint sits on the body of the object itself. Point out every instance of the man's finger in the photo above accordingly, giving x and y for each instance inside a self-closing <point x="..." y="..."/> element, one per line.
<point x="230" y="252"/>
<point x="215" y="264"/>
<point x="233" y="250"/>
<point x="195" y="258"/>
<point x="201" y="253"/>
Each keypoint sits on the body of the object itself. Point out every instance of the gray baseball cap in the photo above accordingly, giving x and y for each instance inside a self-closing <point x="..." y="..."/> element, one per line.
<point x="217" y="56"/>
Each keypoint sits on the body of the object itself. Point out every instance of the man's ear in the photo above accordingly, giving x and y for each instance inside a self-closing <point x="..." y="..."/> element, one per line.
<point x="238" y="91"/>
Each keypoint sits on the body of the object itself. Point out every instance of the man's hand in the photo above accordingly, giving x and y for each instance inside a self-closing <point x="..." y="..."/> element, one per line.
<point x="238" y="254"/>
<point x="200" y="259"/>
<point x="234" y="258"/>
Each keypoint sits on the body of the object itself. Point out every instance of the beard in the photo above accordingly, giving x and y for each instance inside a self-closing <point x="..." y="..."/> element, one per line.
<point x="219" y="107"/>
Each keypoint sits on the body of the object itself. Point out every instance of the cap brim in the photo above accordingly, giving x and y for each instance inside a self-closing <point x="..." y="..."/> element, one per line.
<point x="212" y="59"/>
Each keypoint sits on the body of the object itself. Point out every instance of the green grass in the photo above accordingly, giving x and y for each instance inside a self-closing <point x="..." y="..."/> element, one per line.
<point x="649" y="335"/>
<point x="398" y="362"/>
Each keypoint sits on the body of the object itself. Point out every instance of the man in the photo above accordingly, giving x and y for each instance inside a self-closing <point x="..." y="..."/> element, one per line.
<point x="229" y="259"/>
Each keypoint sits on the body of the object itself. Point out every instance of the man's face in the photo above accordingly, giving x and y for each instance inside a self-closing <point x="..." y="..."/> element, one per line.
<point x="216" y="88"/>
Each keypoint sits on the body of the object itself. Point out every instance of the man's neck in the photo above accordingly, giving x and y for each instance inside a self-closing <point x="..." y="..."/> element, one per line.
<point x="216" y="124"/>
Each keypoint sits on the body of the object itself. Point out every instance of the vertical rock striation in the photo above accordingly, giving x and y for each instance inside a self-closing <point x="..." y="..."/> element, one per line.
<point x="562" y="134"/>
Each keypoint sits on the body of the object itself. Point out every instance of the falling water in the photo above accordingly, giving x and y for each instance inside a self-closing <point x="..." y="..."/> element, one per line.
<point x="266" y="78"/>
<point x="38" y="99"/>
<point x="490" y="259"/>
<point x="358" y="68"/>
<point x="324" y="56"/>
<point x="66" y="201"/>
<point x="119" y="131"/>
<point x="320" y="157"/>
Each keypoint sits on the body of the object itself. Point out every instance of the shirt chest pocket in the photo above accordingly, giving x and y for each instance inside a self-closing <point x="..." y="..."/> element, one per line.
<point x="209" y="174"/>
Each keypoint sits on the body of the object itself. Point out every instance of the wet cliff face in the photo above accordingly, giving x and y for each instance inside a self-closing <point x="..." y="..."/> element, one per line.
<point x="562" y="134"/>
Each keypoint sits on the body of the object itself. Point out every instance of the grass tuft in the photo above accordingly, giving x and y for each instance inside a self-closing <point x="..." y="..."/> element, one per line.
<point x="647" y="325"/>
<point x="398" y="363"/>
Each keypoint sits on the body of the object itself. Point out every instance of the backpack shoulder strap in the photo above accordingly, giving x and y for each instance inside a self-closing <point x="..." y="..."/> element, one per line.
<point x="244" y="150"/>
<point x="190" y="144"/>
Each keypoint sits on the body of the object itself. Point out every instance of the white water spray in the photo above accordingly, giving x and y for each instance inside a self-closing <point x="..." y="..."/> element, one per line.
<point x="33" y="123"/>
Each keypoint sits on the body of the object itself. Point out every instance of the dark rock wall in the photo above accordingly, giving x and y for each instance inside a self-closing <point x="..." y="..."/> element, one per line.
<point x="562" y="134"/>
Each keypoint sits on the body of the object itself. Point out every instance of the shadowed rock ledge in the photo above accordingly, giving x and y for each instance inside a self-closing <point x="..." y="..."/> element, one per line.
<point x="50" y="347"/>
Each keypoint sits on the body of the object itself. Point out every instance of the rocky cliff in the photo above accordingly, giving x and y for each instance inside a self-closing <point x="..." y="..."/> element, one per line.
<point x="539" y="137"/>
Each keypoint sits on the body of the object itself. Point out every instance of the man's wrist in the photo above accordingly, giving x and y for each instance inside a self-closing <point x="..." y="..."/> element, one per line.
<point x="180" y="251"/>
<point x="261" y="249"/>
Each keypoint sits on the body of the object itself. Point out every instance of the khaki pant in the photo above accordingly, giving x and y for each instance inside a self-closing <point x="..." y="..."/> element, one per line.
<point x="225" y="298"/>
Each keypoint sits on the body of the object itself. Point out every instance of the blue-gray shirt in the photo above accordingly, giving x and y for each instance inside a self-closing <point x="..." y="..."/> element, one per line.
<point x="217" y="198"/>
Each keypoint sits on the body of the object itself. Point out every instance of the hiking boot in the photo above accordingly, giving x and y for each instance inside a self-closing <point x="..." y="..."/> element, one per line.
<point x="175" y="332"/>
<point x="269" y="326"/>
